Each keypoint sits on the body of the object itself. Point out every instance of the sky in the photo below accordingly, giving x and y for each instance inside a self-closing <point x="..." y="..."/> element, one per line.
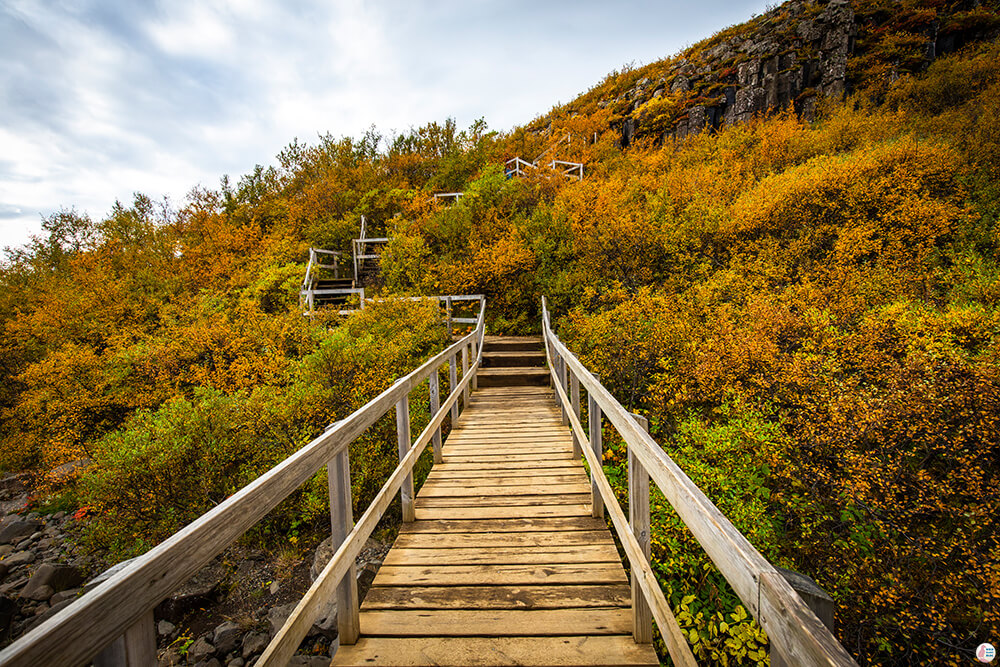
<point x="100" y="99"/>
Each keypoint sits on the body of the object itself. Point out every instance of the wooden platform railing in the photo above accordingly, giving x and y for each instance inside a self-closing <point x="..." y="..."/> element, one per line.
<point x="797" y="636"/>
<point x="113" y="623"/>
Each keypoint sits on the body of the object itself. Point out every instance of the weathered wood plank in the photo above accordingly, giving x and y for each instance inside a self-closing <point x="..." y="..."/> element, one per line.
<point x="509" y="574"/>
<point x="437" y="490"/>
<point x="509" y="525"/>
<point x="424" y="513"/>
<point x="606" y="553"/>
<point x="500" y="500"/>
<point x="530" y="477"/>
<point x="563" y="538"/>
<point x="611" y="650"/>
<point x="496" y="597"/>
<point x="495" y="622"/>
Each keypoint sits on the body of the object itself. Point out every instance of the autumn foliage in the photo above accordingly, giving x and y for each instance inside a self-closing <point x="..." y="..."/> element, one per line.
<point x="806" y="312"/>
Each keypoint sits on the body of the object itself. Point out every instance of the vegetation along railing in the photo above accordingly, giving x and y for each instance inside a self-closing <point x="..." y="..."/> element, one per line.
<point x="113" y="623"/>
<point x="797" y="636"/>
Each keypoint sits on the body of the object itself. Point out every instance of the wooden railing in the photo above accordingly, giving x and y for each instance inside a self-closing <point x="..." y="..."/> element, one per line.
<point x="308" y="294"/>
<point x="797" y="636"/>
<point x="113" y="623"/>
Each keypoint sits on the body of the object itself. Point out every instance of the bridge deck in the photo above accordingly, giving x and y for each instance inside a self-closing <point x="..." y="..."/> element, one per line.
<point x="504" y="564"/>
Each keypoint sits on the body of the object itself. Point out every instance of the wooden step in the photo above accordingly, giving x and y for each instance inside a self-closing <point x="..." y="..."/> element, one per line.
<point x="514" y="377"/>
<point x="506" y="358"/>
<point x="512" y="344"/>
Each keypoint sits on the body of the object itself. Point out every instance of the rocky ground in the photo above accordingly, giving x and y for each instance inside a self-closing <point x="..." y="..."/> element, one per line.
<point x="223" y="617"/>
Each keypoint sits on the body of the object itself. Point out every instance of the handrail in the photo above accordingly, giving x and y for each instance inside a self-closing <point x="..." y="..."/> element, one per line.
<point x="296" y="627"/>
<point x="794" y="630"/>
<point x="122" y="605"/>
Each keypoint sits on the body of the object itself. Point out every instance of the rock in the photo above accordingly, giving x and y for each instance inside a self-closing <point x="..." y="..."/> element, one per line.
<point x="324" y="552"/>
<point x="199" y="590"/>
<point x="236" y="662"/>
<point x="69" y="594"/>
<point x="5" y="549"/>
<point x="326" y="624"/>
<point x="18" y="529"/>
<point x="210" y="662"/>
<point x="200" y="650"/>
<point x="48" y="613"/>
<point x="8" y="609"/>
<point x="67" y="471"/>
<point x="226" y="637"/>
<point x="59" y="516"/>
<point x="4" y="569"/>
<point x="277" y="616"/>
<point x="274" y="588"/>
<point x="20" y="558"/>
<point x="166" y="629"/>
<point x="254" y="644"/>
<point x="171" y="658"/>
<point x="50" y="578"/>
<point x="107" y="574"/>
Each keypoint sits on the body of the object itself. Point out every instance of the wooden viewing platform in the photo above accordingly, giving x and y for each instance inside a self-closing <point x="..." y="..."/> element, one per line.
<point x="504" y="564"/>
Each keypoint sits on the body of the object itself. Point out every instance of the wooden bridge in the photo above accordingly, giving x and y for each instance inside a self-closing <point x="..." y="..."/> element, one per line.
<point x="504" y="557"/>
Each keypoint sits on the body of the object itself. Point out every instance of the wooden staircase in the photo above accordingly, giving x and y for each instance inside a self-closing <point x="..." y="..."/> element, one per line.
<point x="513" y="361"/>
<point x="505" y="563"/>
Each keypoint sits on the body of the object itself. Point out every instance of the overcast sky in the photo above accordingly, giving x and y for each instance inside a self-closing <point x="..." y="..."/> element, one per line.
<point x="103" y="98"/>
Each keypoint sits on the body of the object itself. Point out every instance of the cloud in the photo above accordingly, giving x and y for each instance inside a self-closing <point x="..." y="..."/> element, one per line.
<point x="103" y="98"/>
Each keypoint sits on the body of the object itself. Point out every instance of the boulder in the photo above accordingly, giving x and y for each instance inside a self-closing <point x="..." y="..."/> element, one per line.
<point x="227" y="637"/>
<point x="18" y="529"/>
<point x="166" y="629"/>
<point x="20" y="558"/>
<point x="48" y="613"/>
<point x="50" y="578"/>
<point x="254" y="644"/>
<point x="69" y="594"/>
<point x="200" y="650"/>
<point x="277" y="616"/>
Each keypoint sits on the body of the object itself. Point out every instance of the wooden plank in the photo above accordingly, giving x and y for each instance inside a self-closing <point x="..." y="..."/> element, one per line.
<point x="511" y="525"/>
<point x="525" y="539"/>
<point x="495" y="622"/>
<point x="437" y="490"/>
<point x="424" y="513"/>
<point x="606" y="553"/>
<point x="501" y="458"/>
<point x="485" y="466"/>
<point x="529" y="478"/>
<point x="500" y="500"/>
<point x="611" y="650"/>
<point x="509" y="574"/>
<point x="496" y="597"/>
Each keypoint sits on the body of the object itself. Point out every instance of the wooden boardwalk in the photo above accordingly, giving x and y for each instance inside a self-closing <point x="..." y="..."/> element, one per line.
<point x="504" y="564"/>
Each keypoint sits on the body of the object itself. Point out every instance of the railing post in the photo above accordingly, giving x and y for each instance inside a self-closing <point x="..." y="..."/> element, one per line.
<point x="403" y="435"/>
<point x="815" y="598"/>
<point x="435" y="392"/>
<point x="638" y="518"/>
<point x="562" y="381"/>
<point x="447" y="305"/>
<point x="465" y="371"/>
<point x="574" y="397"/>
<point x="338" y="474"/>
<point x="597" y="446"/>
<point x="475" y="355"/>
<point x="136" y="648"/>
<point x="452" y="383"/>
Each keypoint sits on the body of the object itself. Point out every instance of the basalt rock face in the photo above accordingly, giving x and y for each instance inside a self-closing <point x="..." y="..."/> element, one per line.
<point x="790" y="57"/>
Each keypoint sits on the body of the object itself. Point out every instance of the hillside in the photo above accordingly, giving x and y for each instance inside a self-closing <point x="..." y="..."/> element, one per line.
<point x="804" y="302"/>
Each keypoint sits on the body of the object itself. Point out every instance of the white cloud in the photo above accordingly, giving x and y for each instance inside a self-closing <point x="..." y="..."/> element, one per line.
<point x="102" y="98"/>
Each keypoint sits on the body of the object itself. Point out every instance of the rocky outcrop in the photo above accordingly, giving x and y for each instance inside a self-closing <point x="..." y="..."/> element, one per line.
<point x="790" y="57"/>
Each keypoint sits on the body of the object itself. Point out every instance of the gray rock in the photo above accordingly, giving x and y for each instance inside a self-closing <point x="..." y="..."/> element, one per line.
<point x="20" y="558"/>
<point x="48" y="613"/>
<point x="165" y="629"/>
<point x="171" y="658"/>
<point x="69" y="594"/>
<point x="210" y="662"/>
<point x="67" y="471"/>
<point x="324" y="552"/>
<point x="200" y="650"/>
<point x="236" y="662"/>
<point x="226" y="637"/>
<point x="277" y="616"/>
<point x="51" y="578"/>
<point x="254" y="644"/>
<point x="59" y="516"/>
<point x="5" y="549"/>
<point x="18" y="529"/>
